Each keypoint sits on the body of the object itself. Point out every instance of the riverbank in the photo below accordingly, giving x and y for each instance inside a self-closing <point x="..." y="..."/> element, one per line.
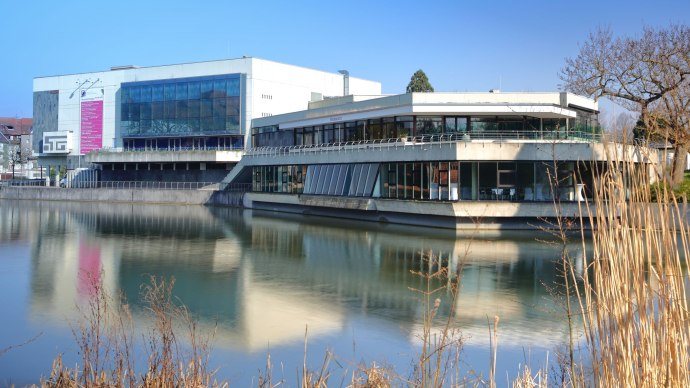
<point x="452" y="215"/>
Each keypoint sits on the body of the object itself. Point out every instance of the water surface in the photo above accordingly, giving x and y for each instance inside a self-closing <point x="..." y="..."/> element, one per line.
<point x="263" y="278"/>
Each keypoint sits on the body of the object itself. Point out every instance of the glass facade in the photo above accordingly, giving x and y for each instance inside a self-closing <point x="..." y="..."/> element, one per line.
<point x="181" y="108"/>
<point x="427" y="127"/>
<point x="45" y="117"/>
<point x="434" y="180"/>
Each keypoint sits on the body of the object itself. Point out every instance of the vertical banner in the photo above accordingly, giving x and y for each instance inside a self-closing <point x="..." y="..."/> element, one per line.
<point x="91" y="120"/>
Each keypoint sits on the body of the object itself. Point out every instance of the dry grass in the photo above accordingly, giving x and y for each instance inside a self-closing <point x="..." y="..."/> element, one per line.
<point x="105" y="341"/>
<point x="633" y="303"/>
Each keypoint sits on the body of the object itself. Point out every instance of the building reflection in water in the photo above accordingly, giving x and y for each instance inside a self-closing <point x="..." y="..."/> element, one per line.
<point x="262" y="277"/>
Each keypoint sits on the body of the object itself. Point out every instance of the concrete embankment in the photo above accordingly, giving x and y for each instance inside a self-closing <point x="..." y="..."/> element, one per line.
<point x="181" y="197"/>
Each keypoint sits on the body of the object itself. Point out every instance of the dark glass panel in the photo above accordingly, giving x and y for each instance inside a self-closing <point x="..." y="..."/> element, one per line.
<point x="156" y="110"/>
<point x="206" y="108"/>
<point x="206" y="89"/>
<point x="125" y="95"/>
<point x="169" y="110"/>
<point x="207" y="124"/>
<point x="219" y="109"/>
<point x="233" y="87"/>
<point x="233" y="106"/>
<point x="181" y="91"/>
<point x="181" y="109"/>
<point x="232" y="124"/>
<point x="134" y="112"/>
<point x="194" y="125"/>
<point x="145" y="93"/>
<point x="194" y="90"/>
<point x="219" y="88"/>
<point x="135" y="94"/>
<point x="145" y="127"/>
<point x="169" y="92"/>
<point x="193" y="107"/>
<point x="145" y="111"/>
<point x="156" y="92"/>
<point x="218" y="124"/>
<point x="124" y="112"/>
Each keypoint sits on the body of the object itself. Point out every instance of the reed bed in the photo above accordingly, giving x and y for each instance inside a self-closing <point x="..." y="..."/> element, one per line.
<point x="633" y="295"/>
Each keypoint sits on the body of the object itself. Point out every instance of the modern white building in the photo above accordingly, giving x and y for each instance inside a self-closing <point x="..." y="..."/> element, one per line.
<point x="138" y="119"/>
<point x="438" y="159"/>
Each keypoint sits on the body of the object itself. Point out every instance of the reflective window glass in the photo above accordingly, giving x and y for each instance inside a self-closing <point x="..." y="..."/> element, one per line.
<point x="232" y="124"/>
<point x="218" y="124"/>
<point x="207" y="124"/>
<point x="135" y="94"/>
<point x="181" y="91"/>
<point x="134" y="112"/>
<point x="169" y="109"/>
<point x="193" y="125"/>
<point x="124" y="112"/>
<point x="219" y="107"/>
<point x="233" y="106"/>
<point x="194" y="90"/>
<point x="206" y="108"/>
<point x="124" y="91"/>
<point x="169" y="92"/>
<point x="157" y="93"/>
<point x="193" y="108"/>
<point x="145" y="93"/>
<point x="233" y="87"/>
<point x="156" y="110"/>
<point x="206" y="89"/>
<point x="181" y="109"/>
<point x="219" y="88"/>
<point x="145" y="111"/>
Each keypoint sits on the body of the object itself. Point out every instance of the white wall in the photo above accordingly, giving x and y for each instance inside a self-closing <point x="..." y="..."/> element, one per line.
<point x="289" y="86"/>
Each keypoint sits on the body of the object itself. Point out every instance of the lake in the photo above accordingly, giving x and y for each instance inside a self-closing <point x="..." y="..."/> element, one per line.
<point x="260" y="279"/>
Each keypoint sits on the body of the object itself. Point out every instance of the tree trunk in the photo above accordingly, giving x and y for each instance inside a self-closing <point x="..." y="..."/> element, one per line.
<point x="680" y="153"/>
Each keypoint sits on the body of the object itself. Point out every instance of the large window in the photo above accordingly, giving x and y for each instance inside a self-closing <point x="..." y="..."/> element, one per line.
<point x="184" y="107"/>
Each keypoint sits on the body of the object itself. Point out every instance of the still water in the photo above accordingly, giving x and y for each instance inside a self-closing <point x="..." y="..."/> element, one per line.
<point x="263" y="278"/>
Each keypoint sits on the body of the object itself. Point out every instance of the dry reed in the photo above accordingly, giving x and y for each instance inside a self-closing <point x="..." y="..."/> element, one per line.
<point x="633" y="304"/>
<point x="104" y="338"/>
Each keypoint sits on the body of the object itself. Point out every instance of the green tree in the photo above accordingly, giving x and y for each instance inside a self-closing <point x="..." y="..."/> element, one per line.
<point x="419" y="83"/>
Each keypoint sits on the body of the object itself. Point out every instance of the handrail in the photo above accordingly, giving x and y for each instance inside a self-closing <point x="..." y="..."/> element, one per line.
<point x="426" y="140"/>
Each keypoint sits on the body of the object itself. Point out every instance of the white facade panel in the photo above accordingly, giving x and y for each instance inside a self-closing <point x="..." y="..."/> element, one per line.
<point x="268" y="88"/>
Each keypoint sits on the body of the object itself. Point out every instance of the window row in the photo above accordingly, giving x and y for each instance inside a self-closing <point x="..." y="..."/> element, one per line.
<point x="436" y="180"/>
<point x="219" y="107"/>
<point x="229" y="124"/>
<point x="180" y="90"/>
<point x="182" y="143"/>
<point x="416" y="126"/>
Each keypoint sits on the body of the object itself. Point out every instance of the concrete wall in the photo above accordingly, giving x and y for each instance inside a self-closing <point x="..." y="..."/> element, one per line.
<point x="187" y="197"/>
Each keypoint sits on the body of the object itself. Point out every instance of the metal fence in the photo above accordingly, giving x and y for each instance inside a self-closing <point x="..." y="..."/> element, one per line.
<point x="23" y="182"/>
<point x="146" y="185"/>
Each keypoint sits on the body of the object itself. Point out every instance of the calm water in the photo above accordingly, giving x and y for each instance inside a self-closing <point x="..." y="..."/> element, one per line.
<point x="262" y="278"/>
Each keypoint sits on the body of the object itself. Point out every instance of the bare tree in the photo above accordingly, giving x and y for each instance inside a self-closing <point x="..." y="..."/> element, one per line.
<point x="649" y="74"/>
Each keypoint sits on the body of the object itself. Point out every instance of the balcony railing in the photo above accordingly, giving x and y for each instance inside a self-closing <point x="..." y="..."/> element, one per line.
<point x="433" y="140"/>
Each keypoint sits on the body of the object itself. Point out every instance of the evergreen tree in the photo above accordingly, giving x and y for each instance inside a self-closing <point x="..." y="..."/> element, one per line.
<point x="419" y="83"/>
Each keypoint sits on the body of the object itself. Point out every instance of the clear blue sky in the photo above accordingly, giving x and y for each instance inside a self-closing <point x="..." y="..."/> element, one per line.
<point x="461" y="45"/>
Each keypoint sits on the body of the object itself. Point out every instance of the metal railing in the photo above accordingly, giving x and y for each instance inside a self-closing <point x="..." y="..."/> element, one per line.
<point x="155" y="185"/>
<point x="427" y="140"/>
<point x="23" y="182"/>
<point x="166" y="149"/>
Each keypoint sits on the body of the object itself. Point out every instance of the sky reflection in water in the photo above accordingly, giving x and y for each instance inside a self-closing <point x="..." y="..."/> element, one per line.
<point x="264" y="277"/>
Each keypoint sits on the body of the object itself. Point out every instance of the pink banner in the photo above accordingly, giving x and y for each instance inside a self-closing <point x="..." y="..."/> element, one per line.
<point x="91" y="125"/>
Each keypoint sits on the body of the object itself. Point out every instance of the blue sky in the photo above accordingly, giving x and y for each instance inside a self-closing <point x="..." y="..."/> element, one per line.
<point x="461" y="45"/>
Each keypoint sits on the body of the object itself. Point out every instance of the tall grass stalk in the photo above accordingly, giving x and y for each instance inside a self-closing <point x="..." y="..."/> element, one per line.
<point x="633" y="304"/>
